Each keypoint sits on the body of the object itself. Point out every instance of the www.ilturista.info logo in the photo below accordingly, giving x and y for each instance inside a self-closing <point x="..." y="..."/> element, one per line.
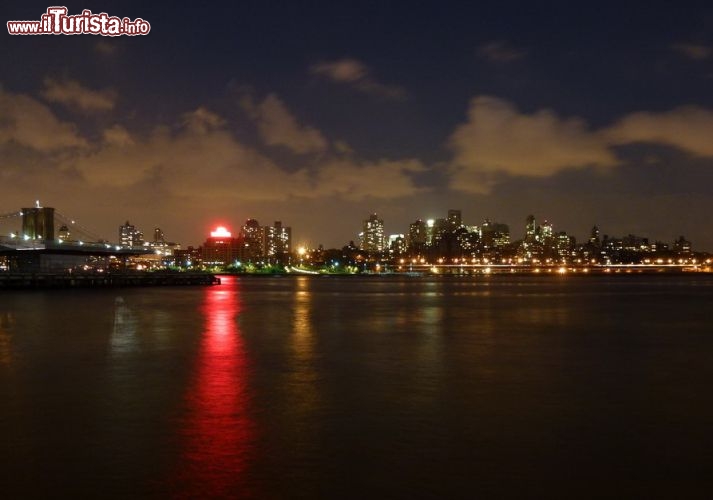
<point x="57" y="22"/>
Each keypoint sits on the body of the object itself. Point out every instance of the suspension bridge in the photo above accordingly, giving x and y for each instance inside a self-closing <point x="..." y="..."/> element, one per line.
<point x="39" y="237"/>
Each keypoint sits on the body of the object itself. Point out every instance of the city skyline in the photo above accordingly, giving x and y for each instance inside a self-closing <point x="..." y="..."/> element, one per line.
<point x="319" y="115"/>
<point x="515" y="232"/>
<point x="127" y="232"/>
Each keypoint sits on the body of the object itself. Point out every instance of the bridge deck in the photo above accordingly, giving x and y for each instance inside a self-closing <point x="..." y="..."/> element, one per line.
<point x="9" y="246"/>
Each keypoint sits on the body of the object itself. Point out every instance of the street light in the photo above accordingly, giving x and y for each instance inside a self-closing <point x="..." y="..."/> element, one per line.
<point x="301" y="251"/>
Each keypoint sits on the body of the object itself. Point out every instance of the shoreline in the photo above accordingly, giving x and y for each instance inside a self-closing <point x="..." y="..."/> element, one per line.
<point x="49" y="281"/>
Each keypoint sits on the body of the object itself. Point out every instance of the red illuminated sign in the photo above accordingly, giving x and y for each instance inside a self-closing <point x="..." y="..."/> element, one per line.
<point x="220" y="232"/>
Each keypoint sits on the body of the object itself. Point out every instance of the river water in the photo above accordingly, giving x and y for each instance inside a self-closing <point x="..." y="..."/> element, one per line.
<point x="329" y="387"/>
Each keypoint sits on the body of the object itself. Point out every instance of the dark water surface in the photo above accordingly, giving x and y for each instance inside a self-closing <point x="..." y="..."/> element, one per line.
<point x="361" y="388"/>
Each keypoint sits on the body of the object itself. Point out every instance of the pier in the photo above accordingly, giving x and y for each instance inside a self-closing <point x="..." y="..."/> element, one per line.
<point x="15" y="281"/>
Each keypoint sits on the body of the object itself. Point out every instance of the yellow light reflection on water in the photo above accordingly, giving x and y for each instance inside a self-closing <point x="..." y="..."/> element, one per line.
<point x="6" y="323"/>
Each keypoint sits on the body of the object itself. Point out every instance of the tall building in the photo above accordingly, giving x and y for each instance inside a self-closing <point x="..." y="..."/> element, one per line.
<point x="373" y="238"/>
<point x="220" y="249"/>
<point x="531" y="246"/>
<point x="64" y="233"/>
<point x="635" y="243"/>
<point x="129" y="236"/>
<point x="430" y="224"/>
<point x="440" y="229"/>
<point x="548" y="240"/>
<point x="494" y="235"/>
<point x="397" y="244"/>
<point x="455" y="219"/>
<point x="530" y="229"/>
<point x="682" y="245"/>
<point x="278" y="242"/>
<point x="253" y="241"/>
<point x="163" y="252"/>
<point x="188" y="258"/>
<point x="565" y="245"/>
<point x="417" y="236"/>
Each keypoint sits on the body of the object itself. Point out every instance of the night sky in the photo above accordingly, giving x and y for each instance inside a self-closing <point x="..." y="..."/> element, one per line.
<point x="318" y="114"/>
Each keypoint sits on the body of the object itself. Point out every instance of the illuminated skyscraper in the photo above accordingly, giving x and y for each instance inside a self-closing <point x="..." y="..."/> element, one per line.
<point x="530" y="229"/>
<point x="253" y="241"/>
<point x="548" y="240"/>
<point x="494" y="235"/>
<point x="565" y="245"/>
<point x="440" y="230"/>
<point x="455" y="219"/>
<point x="397" y="244"/>
<point x="278" y="242"/>
<point x="430" y="224"/>
<point x="373" y="239"/>
<point x="417" y="236"/>
<point x="129" y="236"/>
<point x="531" y="246"/>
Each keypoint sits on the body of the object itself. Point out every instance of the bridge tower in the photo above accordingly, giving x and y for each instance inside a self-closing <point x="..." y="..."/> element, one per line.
<point x="38" y="223"/>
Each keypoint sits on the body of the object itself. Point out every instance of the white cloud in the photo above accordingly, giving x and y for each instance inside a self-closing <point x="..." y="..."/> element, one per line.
<point x="209" y="163"/>
<point x="278" y="127"/>
<point x="28" y="122"/>
<point x="198" y="162"/>
<point x="497" y="138"/>
<point x="500" y="51"/>
<point x="106" y="47"/>
<point x="343" y="70"/>
<point x="202" y="120"/>
<point x="357" y="75"/>
<point x="72" y="94"/>
<point x="689" y="128"/>
<point x="117" y="136"/>
<point x="358" y="180"/>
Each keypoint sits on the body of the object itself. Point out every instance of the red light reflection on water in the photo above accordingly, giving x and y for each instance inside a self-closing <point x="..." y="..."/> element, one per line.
<point x="217" y="433"/>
